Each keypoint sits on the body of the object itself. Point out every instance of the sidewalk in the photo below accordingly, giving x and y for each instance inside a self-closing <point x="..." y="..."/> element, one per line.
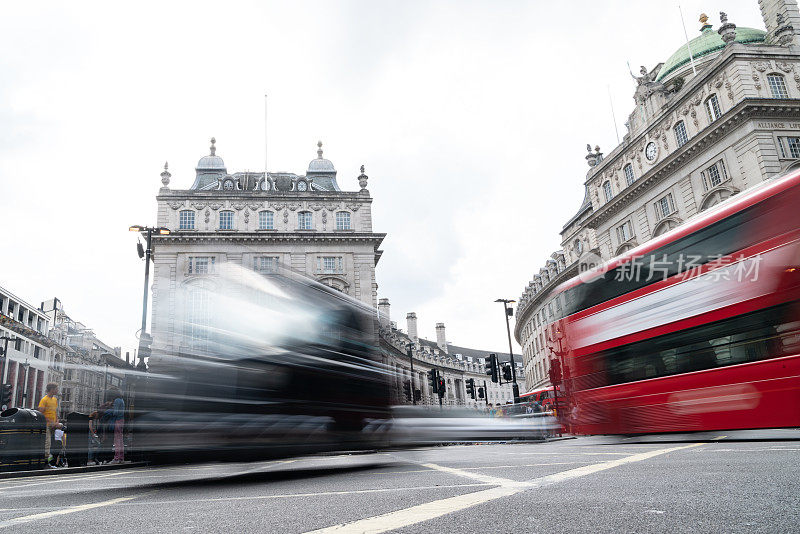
<point x="69" y="470"/>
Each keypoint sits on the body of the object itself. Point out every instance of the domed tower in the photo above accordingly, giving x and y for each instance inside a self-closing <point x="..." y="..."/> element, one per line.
<point x="209" y="170"/>
<point x="322" y="172"/>
<point x="704" y="49"/>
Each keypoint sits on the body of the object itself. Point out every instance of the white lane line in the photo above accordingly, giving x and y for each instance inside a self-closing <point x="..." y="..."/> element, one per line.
<point x="432" y="510"/>
<point x="63" y="511"/>
<point x="61" y="480"/>
<point x="295" y="495"/>
<point x="471" y="468"/>
<point x="488" y="479"/>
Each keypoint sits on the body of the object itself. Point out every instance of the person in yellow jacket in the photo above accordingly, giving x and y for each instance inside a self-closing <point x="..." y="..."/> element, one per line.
<point x="48" y="406"/>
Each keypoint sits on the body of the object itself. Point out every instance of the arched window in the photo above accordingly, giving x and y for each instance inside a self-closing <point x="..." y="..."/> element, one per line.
<point x="578" y="247"/>
<point x="713" y="109"/>
<point x="304" y="220"/>
<point x="186" y="220"/>
<point x="681" y="138"/>
<point x="226" y="220"/>
<point x="629" y="176"/>
<point x="777" y="86"/>
<point x="607" y="191"/>
<point x="342" y="220"/>
<point x="266" y="220"/>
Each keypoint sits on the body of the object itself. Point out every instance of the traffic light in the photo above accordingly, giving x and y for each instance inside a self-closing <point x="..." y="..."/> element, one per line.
<point x="432" y="380"/>
<point x="555" y="371"/>
<point x="471" y="387"/>
<point x="441" y="387"/>
<point x="507" y="376"/>
<point x="407" y="389"/>
<point x="5" y="395"/>
<point x="491" y="367"/>
<point x="480" y="393"/>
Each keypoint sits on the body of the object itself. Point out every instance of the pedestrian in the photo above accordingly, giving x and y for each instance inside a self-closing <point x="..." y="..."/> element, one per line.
<point x="118" y="419"/>
<point x="48" y="407"/>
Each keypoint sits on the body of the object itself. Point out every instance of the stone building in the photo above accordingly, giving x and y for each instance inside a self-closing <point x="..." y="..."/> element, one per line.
<point x="33" y="359"/>
<point x="456" y="364"/>
<point x="715" y="118"/>
<point x="261" y="221"/>
<point x="91" y="366"/>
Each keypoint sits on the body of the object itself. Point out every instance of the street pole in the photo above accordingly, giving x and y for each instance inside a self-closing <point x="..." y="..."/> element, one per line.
<point x="25" y="384"/>
<point x="485" y="393"/>
<point x="413" y="391"/>
<point x="145" y="339"/>
<point x="506" y="302"/>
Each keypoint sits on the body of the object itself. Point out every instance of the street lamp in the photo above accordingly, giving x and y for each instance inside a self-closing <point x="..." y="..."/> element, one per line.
<point x="144" y="338"/>
<point x="508" y="311"/>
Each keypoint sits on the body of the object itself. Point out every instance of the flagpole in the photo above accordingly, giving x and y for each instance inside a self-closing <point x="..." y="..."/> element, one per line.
<point x="613" y="117"/>
<point x="688" y="46"/>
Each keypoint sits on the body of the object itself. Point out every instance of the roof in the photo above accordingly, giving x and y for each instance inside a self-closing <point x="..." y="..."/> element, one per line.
<point x="452" y="350"/>
<point x="708" y="42"/>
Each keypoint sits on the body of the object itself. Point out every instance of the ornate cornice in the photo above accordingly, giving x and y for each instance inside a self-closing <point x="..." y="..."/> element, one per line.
<point x="249" y="196"/>
<point x="195" y="237"/>
<point x="524" y="310"/>
<point x="744" y="110"/>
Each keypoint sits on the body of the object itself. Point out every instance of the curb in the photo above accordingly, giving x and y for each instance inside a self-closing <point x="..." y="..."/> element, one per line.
<point x="70" y="470"/>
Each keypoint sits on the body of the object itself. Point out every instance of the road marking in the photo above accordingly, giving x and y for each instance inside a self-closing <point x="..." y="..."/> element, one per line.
<point x="63" y="511"/>
<point x="432" y="510"/>
<point x="62" y="479"/>
<point x="318" y="494"/>
<point x="719" y="438"/>
<point x="471" y="468"/>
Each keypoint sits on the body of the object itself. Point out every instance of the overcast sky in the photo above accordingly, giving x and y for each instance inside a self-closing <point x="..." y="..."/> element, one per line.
<point x="471" y="118"/>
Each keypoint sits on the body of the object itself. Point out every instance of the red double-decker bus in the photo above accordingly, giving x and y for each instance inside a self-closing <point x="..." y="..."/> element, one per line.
<point x="697" y="329"/>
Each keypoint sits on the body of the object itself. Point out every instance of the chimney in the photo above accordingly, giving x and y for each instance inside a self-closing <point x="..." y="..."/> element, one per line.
<point x="441" y="340"/>
<point x="384" y="318"/>
<point x="411" y="318"/>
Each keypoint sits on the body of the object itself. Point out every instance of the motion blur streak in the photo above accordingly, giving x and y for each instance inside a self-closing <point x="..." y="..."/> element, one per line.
<point x="285" y="366"/>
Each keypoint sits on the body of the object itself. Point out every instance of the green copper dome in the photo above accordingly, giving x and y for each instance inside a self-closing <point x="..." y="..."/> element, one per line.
<point x="708" y="42"/>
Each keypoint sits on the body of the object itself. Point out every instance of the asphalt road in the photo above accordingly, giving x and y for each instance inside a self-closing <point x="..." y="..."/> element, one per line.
<point x="719" y="482"/>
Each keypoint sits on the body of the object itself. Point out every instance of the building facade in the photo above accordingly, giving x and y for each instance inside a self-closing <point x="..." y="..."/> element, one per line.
<point x="90" y="365"/>
<point x="720" y="115"/>
<point x="33" y="359"/>
<point x="455" y="364"/>
<point x="260" y="221"/>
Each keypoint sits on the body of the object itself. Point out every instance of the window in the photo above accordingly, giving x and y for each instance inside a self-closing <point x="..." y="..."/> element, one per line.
<point x="607" y="191"/>
<point x="226" y="220"/>
<point x="201" y="264"/>
<point x="330" y="265"/>
<point x="304" y="220"/>
<point x="578" y="247"/>
<point x="745" y="338"/>
<point x="198" y="318"/>
<point x="714" y="175"/>
<point x="342" y="220"/>
<point x="629" y="177"/>
<point x="624" y="232"/>
<point x="681" y="138"/>
<point x="712" y="107"/>
<point x="265" y="264"/>
<point x="186" y="220"/>
<point x="790" y="147"/>
<point x="664" y="206"/>
<point x="266" y="220"/>
<point x="777" y="86"/>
